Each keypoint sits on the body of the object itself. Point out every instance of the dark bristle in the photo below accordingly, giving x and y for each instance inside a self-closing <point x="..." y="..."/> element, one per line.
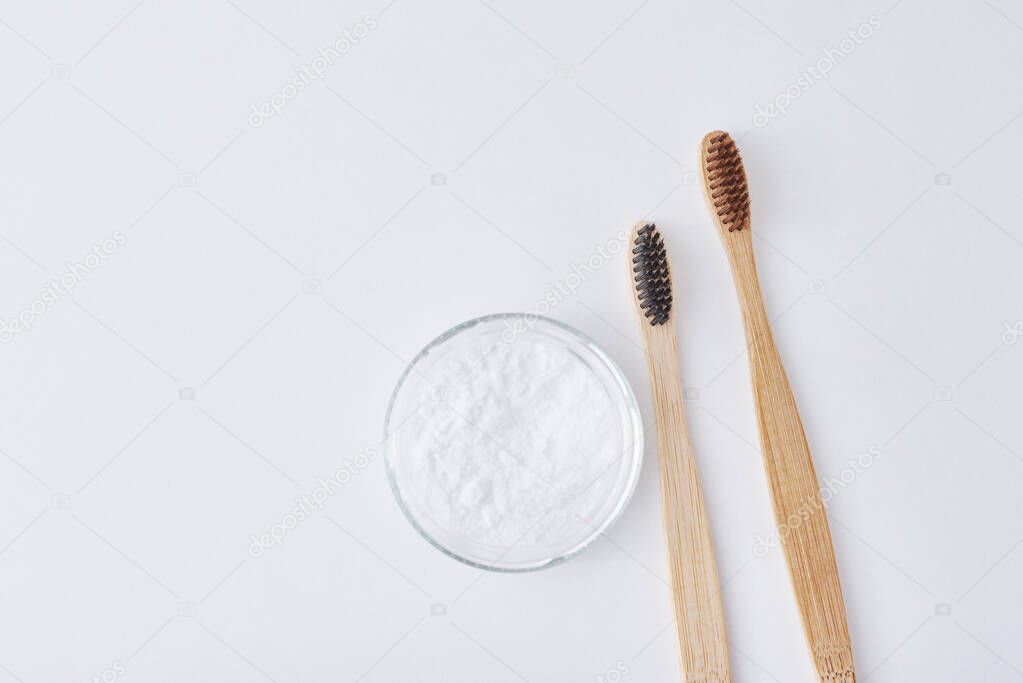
<point x="651" y="275"/>
<point x="726" y="181"/>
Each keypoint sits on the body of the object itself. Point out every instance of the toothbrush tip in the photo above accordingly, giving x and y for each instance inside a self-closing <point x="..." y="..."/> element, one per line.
<point x="651" y="274"/>
<point x="724" y="180"/>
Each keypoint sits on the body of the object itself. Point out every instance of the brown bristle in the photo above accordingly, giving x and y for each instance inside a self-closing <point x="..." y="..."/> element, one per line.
<point x="725" y="180"/>
<point x="651" y="274"/>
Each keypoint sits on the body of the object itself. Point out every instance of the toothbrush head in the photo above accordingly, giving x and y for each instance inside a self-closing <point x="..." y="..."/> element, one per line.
<point x="651" y="274"/>
<point x="724" y="181"/>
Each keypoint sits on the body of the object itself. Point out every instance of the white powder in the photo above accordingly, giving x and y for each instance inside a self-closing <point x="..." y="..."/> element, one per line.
<point x="511" y="444"/>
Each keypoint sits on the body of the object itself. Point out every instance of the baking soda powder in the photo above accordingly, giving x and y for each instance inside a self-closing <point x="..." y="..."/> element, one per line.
<point x="510" y="445"/>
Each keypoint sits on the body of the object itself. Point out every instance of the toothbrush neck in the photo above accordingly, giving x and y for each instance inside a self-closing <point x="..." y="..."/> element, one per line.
<point x="739" y="246"/>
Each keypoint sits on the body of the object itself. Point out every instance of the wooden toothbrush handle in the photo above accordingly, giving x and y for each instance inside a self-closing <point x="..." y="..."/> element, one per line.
<point x="795" y="491"/>
<point x="696" y="593"/>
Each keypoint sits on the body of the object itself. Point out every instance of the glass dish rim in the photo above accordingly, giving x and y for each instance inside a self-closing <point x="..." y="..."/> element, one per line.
<point x="630" y="404"/>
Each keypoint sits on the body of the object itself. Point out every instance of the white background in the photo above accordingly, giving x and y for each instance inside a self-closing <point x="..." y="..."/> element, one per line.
<point x="127" y="510"/>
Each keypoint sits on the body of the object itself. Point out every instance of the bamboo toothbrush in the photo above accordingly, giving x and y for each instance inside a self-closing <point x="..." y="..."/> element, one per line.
<point x="795" y="492"/>
<point x="696" y="595"/>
